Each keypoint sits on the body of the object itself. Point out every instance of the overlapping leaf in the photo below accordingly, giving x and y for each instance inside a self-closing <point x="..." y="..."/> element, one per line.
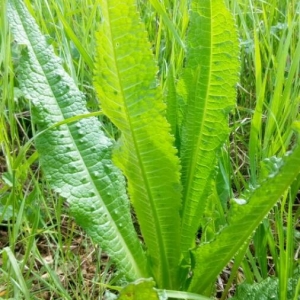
<point x="210" y="78"/>
<point x="76" y="157"/>
<point x="127" y="88"/>
<point x="212" y="257"/>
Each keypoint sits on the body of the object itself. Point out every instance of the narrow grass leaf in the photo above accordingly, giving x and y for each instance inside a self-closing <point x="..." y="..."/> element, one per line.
<point x="283" y="103"/>
<point x="180" y="295"/>
<point x="71" y="34"/>
<point x="170" y="25"/>
<point x="18" y="278"/>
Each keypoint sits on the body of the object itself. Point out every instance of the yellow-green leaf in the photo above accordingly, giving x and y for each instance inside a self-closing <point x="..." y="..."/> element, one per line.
<point x="138" y="290"/>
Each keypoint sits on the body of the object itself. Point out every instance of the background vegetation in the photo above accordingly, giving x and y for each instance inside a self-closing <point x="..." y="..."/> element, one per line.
<point x="44" y="255"/>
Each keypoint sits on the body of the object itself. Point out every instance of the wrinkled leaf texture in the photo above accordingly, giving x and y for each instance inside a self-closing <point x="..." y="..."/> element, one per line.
<point x="76" y="157"/>
<point x="126" y="83"/>
<point x="211" y="258"/>
<point x="209" y="87"/>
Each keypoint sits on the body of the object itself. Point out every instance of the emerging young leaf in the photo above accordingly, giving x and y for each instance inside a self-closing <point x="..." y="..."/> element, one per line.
<point x="76" y="157"/>
<point x="140" y="289"/>
<point x="209" y="78"/>
<point x="127" y="88"/>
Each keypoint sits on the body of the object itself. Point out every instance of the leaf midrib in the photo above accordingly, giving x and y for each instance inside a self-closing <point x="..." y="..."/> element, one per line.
<point x="164" y="269"/>
<point x="193" y="162"/>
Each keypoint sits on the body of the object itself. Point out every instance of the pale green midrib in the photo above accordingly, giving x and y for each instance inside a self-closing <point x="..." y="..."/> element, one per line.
<point x="125" y="246"/>
<point x="193" y="161"/>
<point x="164" y="268"/>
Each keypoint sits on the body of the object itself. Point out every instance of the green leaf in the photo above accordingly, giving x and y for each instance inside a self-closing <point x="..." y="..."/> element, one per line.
<point x="126" y="84"/>
<point x="144" y="289"/>
<point x="140" y="289"/>
<point x="166" y="294"/>
<point x="244" y="219"/>
<point x="171" y="101"/>
<point x="76" y="156"/>
<point x="209" y="78"/>
<point x="265" y="290"/>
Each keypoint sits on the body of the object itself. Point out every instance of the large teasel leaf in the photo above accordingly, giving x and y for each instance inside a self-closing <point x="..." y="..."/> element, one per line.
<point x="243" y="220"/>
<point x="76" y="157"/>
<point x="125" y="80"/>
<point x="209" y="80"/>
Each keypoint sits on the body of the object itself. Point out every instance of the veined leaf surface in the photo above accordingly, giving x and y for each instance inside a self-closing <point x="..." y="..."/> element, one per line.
<point x="76" y="157"/>
<point x="212" y="257"/>
<point x="209" y="78"/>
<point x="127" y="88"/>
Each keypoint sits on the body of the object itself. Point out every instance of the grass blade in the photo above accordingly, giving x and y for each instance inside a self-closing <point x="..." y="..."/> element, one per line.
<point x="18" y="281"/>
